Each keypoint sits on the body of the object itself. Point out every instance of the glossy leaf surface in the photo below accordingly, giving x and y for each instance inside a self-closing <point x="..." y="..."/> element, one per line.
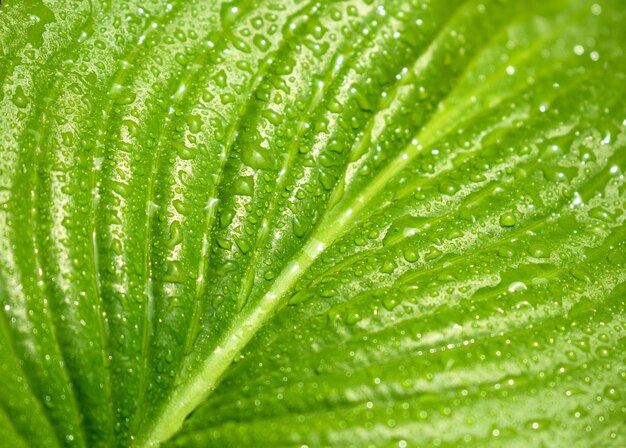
<point x="292" y="223"/>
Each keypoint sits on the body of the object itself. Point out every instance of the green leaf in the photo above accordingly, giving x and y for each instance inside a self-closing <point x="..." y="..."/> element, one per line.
<point x="291" y="223"/>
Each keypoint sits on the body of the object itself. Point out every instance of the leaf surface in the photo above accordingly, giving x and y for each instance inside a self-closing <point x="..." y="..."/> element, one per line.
<point x="294" y="223"/>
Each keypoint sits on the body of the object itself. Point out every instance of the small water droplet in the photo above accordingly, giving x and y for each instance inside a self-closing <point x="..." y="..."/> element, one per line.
<point x="244" y="186"/>
<point x="411" y="255"/>
<point x="388" y="266"/>
<point x="257" y="157"/>
<point x="19" y="98"/>
<point x="538" y="251"/>
<point x="508" y="219"/>
<point x="176" y="234"/>
<point x="299" y="227"/>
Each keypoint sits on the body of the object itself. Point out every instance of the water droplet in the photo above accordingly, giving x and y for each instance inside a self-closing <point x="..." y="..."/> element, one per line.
<point x="448" y="188"/>
<point x="353" y="317"/>
<point x="559" y="173"/>
<point x="244" y="186"/>
<point x="508" y="219"/>
<point x="411" y="255"/>
<point x="227" y="98"/>
<point x="601" y="213"/>
<point x="517" y="286"/>
<point x="257" y="157"/>
<point x="299" y="227"/>
<point x="223" y="243"/>
<point x="180" y="207"/>
<point x="299" y="297"/>
<point x="272" y="116"/>
<point x="184" y="152"/>
<point x="195" y="123"/>
<point x="226" y="217"/>
<point x="229" y="13"/>
<point x="174" y="272"/>
<point x="261" y="42"/>
<point x="122" y="95"/>
<point x="67" y="138"/>
<point x="19" y="98"/>
<point x="538" y="251"/>
<point x="242" y="245"/>
<point x="612" y="393"/>
<point x="176" y="234"/>
<point x="390" y="302"/>
<point x="580" y="274"/>
<point x="326" y="180"/>
<point x="388" y="266"/>
<point x="432" y="254"/>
